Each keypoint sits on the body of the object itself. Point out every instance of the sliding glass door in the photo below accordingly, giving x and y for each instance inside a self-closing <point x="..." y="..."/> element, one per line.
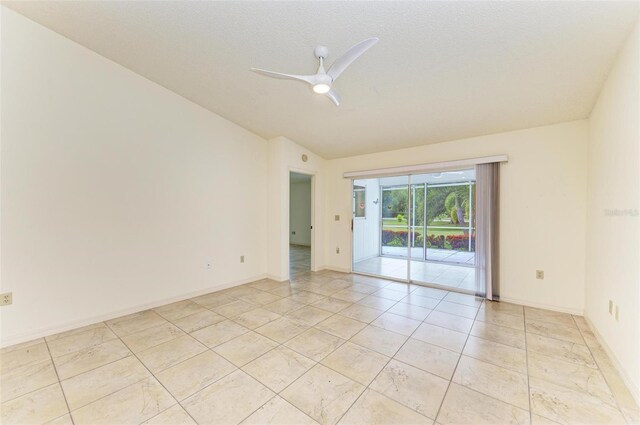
<point x="418" y="228"/>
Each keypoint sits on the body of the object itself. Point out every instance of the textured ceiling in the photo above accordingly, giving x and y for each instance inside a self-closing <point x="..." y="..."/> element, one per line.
<point x="441" y="71"/>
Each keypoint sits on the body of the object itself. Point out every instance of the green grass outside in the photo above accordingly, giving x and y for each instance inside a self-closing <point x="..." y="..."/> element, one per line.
<point x="392" y="224"/>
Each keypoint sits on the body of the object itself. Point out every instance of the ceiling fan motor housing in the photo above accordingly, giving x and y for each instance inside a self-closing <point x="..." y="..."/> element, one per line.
<point x="321" y="52"/>
<point x="323" y="79"/>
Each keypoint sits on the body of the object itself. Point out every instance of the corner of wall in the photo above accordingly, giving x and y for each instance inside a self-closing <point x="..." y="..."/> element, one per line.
<point x="286" y="156"/>
<point x="613" y="199"/>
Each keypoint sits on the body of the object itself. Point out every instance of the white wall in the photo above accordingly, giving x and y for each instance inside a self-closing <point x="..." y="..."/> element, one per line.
<point x="285" y="156"/>
<point x="613" y="237"/>
<point x="543" y="207"/>
<point x="115" y="191"/>
<point x="300" y="213"/>
<point x="366" y="231"/>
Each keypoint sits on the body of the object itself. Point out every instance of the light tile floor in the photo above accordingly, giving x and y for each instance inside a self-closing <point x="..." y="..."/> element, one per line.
<point x="446" y="275"/>
<point x="326" y="348"/>
<point x="299" y="260"/>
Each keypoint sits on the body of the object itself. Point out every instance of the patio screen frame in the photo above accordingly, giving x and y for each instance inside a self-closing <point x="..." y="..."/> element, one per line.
<point x="425" y="226"/>
<point x="407" y="278"/>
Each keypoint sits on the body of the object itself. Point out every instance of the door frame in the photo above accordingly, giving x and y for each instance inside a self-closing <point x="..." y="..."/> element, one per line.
<point x="312" y="174"/>
<point x="380" y="224"/>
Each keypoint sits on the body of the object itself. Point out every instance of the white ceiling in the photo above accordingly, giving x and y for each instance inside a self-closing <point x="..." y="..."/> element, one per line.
<point x="441" y="71"/>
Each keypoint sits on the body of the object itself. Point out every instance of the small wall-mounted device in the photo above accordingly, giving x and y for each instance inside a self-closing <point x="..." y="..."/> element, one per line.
<point x="6" y="298"/>
<point x="305" y="158"/>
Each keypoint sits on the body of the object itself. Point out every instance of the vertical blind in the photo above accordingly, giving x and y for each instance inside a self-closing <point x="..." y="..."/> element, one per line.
<point x="488" y="230"/>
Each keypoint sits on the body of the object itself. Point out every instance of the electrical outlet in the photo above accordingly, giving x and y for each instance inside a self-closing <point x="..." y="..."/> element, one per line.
<point x="539" y="274"/>
<point x="6" y="298"/>
<point x="337" y="250"/>
<point x="293" y="233"/>
<point x="617" y="313"/>
<point x="610" y="307"/>
<point x="209" y="265"/>
<point x="242" y="258"/>
<point x="336" y="217"/>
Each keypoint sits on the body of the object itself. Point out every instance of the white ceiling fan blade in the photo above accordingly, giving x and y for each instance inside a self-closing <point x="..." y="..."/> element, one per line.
<point x="306" y="78"/>
<point x="335" y="98"/>
<point x="352" y="54"/>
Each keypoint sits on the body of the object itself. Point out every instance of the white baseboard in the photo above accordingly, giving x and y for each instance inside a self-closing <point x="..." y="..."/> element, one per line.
<point x="39" y="333"/>
<point x="631" y="386"/>
<point x="277" y="278"/>
<point x="574" y="311"/>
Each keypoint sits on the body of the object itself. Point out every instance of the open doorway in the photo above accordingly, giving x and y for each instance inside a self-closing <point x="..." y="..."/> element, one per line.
<point x="300" y="225"/>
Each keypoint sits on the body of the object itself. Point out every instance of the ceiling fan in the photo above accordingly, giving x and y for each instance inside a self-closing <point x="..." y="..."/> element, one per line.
<point x="322" y="80"/>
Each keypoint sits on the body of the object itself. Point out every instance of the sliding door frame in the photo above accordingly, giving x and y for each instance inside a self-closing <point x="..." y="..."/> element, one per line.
<point x="410" y="212"/>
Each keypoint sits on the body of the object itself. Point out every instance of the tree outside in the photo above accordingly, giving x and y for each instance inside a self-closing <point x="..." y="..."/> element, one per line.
<point x="448" y="216"/>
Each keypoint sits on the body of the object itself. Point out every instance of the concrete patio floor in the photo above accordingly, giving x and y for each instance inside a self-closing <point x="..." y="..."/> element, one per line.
<point x="447" y="275"/>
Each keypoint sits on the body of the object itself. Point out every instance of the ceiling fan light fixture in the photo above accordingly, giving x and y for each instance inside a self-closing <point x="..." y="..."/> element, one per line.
<point x="321" y="88"/>
<point x="322" y="80"/>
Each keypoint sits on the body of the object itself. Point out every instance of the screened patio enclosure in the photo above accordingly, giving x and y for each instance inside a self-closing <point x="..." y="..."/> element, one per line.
<point x="418" y="228"/>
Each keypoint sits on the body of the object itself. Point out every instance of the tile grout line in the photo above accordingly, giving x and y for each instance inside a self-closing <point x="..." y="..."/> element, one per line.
<point x="460" y="354"/>
<point x="615" y="399"/>
<point x="211" y="349"/>
<point x="132" y="355"/>
<point x="392" y="357"/>
<point x="468" y="335"/>
<point x="526" y="350"/>
<point x="240" y="368"/>
<point x="495" y="342"/>
<point x="277" y="394"/>
<point x="53" y="363"/>
<point x="155" y="378"/>
<point x="60" y="380"/>
<point x="579" y="390"/>
<point x="457" y="364"/>
<point x="335" y="371"/>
